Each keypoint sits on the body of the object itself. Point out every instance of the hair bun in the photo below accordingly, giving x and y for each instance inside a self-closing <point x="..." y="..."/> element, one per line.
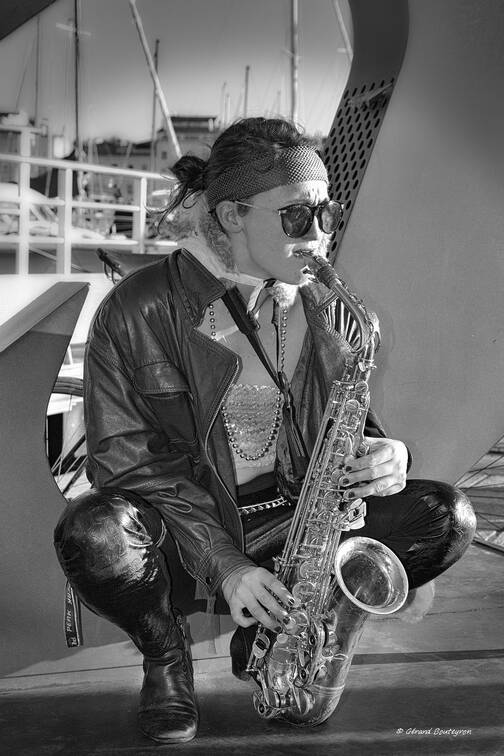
<point x="190" y="170"/>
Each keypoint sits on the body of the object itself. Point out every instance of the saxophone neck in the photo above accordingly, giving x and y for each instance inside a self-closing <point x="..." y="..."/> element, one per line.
<point x="367" y="321"/>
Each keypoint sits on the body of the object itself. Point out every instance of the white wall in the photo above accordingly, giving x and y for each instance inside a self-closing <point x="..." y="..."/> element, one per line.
<point x="425" y="243"/>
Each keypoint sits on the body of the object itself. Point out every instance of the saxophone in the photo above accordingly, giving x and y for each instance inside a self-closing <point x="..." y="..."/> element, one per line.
<point x="302" y="669"/>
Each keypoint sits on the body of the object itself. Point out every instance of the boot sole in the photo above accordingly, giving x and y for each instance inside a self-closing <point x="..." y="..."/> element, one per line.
<point x="169" y="741"/>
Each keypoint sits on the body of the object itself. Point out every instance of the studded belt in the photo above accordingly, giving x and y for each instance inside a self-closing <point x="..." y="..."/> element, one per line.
<point x="262" y="506"/>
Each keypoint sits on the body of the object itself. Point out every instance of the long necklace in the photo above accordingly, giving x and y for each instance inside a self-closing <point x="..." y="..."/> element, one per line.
<point x="277" y="415"/>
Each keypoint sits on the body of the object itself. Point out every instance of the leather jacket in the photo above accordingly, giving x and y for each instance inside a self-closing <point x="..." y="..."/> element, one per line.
<point x="153" y="388"/>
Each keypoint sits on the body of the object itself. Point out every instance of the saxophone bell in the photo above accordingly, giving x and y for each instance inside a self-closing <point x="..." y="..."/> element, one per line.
<point x="371" y="575"/>
<point x="306" y="672"/>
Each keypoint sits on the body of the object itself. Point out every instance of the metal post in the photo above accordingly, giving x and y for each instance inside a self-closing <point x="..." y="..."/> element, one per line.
<point x="245" y="97"/>
<point x="23" y="255"/>
<point x="170" y="131"/>
<point x="64" y="248"/>
<point x="37" y="73"/>
<point x="222" y="114"/>
<point x="139" y="224"/>
<point x="343" y="29"/>
<point x="153" y="129"/>
<point x="78" y="146"/>
<point x="294" y="60"/>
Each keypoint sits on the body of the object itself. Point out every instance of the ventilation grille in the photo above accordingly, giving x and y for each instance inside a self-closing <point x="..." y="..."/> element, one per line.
<point x="350" y="143"/>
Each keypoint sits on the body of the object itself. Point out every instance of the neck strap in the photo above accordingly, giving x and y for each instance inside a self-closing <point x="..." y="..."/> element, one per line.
<point x="248" y="325"/>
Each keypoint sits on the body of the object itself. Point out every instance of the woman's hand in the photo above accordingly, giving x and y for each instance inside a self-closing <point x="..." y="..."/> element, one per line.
<point x="380" y="472"/>
<point x="258" y="593"/>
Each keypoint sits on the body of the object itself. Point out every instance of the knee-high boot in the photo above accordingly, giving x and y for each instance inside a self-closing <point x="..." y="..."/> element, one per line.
<point x="107" y="543"/>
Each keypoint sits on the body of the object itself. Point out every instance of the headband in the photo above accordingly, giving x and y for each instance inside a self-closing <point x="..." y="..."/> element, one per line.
<point x="289" y="166"/>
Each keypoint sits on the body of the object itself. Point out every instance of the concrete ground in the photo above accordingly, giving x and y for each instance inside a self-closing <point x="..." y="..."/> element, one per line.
<point x="435" y="687"/>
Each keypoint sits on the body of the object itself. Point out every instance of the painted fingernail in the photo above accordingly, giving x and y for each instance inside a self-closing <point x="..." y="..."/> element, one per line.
<point x="345" y="481"/>
<point x="291" y="600"/>
<point x="277" y="628"/>
<point x="348" y="468"/>
<point x="349" y="495"/>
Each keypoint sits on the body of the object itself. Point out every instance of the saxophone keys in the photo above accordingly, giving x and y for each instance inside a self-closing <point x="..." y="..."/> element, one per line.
<point x="356" y="524"/>
<point x="331" y="643"/>
<point x="322" y="672"/>
<point x="303" y="658"/>
<point x="261" y="645"/>
<point x="302" y="677"/>
<point x="303" y="699"/>
<point x="348" y="446"/>
<point x="317" y="635"/>
<point x="309" y="571"/>
<point x="296" y="622"/>
<point x="303" y="591"/>
<point x="335" y="474"/>
<point x="361" y="388"/>
<point x="352" y="405"/>
<point x="263" y="707"/>
<point x="283" y="639"/>
<point x="355" y="515"/>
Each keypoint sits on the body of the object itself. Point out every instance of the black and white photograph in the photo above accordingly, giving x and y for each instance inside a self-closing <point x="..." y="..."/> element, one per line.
<point x="251" y="360"/>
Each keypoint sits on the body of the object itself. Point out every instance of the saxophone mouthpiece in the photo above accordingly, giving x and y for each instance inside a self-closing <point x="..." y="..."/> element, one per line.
<point x="312" y="261"/>
<point x="319" y="267"/>
<point x="311" y="257"/>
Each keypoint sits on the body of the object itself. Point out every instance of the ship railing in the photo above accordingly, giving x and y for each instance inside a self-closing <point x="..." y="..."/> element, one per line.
<point x="65" y="204"/>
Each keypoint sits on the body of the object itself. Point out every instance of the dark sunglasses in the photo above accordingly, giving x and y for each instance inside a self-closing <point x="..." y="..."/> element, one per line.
<point x="298" y="219"/>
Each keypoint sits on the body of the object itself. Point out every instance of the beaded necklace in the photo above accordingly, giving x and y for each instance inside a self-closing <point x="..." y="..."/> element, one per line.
<point x="277" y="416"/>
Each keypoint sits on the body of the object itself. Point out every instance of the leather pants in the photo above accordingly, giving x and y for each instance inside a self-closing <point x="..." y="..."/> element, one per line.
<point x="107" y="543"/>
<point x="111" y="546"/>
<point x="428" y="525"/>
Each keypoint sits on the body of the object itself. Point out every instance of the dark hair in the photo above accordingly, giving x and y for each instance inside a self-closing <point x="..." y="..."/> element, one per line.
<point x="242" y="141"/>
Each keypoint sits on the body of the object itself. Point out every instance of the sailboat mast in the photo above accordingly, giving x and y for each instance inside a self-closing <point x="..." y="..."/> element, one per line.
<point x="343" y="29"/>
<point x="246" y="91"/>
<point x="37" y="73"/>
<point x="154" y="102"/>
<point x="78" y="145"/>
<point x="170" y="131"/>
<point x="294" y="60"/>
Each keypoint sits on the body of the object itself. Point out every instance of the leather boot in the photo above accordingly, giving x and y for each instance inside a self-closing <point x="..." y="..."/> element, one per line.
<point x="168" y="712"/>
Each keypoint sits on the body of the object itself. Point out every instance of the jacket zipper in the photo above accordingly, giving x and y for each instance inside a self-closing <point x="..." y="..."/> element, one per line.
<point x="213" y="419"/>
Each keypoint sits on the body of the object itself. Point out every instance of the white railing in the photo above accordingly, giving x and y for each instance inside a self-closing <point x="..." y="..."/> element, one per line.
<point x="65" y="204"/>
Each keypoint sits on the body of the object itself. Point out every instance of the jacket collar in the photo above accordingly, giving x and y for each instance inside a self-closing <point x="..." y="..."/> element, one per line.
<point x="196" y="286"/>
<point x="204" y="255"/>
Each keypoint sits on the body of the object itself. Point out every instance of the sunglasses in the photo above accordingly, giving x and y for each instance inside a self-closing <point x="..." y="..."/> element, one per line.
<point x="298" y="219"/>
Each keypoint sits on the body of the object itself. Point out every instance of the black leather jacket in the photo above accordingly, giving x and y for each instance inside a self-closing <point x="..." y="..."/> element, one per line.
<point x="153" y="388"/>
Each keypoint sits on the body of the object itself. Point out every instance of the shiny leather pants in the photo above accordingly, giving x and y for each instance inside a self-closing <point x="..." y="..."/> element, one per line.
<point x="428" y="525"/>
<point x="111" y="548"/>
<point x="107" y="543"/>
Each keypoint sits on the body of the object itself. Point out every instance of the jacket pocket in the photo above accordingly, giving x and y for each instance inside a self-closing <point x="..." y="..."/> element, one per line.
<point x="166" y="391"/>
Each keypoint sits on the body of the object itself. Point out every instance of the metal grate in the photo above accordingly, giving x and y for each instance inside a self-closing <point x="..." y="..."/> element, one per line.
<point x="380" y="35"/>
<point x="351" y="141"/>
<point x="347" y="152"/>
<point x="484" y="484"/>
